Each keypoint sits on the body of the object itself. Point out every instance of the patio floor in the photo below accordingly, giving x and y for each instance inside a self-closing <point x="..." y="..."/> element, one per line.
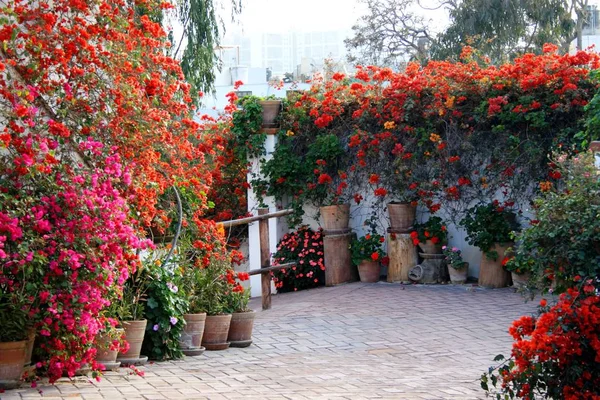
<point x="353" y="341"/>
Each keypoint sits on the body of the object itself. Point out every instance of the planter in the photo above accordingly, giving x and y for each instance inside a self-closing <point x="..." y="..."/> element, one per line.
<point x="336" y="217"/>
<point x="190" y="341"/>
<point x="240" y="330"/>
<point x="12" y="361"/>
<point x="402" y="216"/>
<point x="520" y="280"/>
<point x="134" y="335"/>
<point x="430" y="248"/>
<point x="270" y="111"/>
<point x="216" y="330"/>
<point x="104" y="354"/>
<point x="30" y="343"/>
<point x="369" y="271"/>
<point x="458" y="276"/>
<point x="491" y="272"/>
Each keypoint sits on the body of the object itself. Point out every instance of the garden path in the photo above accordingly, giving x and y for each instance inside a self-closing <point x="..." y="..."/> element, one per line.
<point x="355" y="341"/>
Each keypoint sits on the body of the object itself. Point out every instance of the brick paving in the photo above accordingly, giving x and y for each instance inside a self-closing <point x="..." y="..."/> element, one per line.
<point x="355" y="341"/>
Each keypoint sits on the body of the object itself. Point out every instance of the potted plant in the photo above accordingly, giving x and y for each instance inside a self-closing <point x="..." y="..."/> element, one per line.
<point x="242" y="320"/>
<point x="130" y="312"/>
<point x="520" y="268"/>
<point x="490" y="227"/>
<point x="14" y="332"/>
<point x="109" y="341"/>
<point x="366" y="254"/>
<point x="210" y="295"/>
<point x="190" y="340"/>
<point x="457" y="267"/>
<point x="430" y="236"/>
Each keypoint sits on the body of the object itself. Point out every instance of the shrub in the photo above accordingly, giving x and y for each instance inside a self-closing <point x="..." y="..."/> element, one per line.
<point x="367" y="247"/>
<point x="556" y="355"/>
<point x="433" y="229"/>
<point x="305" y="248"/>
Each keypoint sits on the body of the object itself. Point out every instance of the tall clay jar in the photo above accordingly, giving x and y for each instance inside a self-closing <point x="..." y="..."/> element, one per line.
<point x="402" y="216"/>
<point x="12" y="361"/>
<point x="240" y="330"/>
<point x="336" y="217"/>
<point x="134" y="335"/>
<point x="216" y="330"/>
<point x="491" y="272"/>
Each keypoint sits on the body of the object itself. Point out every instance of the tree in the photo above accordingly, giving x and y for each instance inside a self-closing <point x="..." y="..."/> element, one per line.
<point x="389" y="35"/>
<point x="394" y="31"/>
<point x="202" y="28"/>
<point x="504" y="29"/>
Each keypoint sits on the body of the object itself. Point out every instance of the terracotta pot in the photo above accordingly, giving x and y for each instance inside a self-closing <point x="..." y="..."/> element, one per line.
<point x="12" y="360"/>
<point x="369" y="271"/>
<point x="520" y="280"/>
<point x="216" y="330"/>
<point x="431" y="248"/>
<point x="240" y="330"/>
<point x="491" y="272"/>
<point x="458" y="276"/>
<point x="103" y="352"/>
<point x="134" y="335"/>
<point x="191" y="337"/>
<point x="30" y="343"/>
<point x="336" y="217"/>
<point x="270" y="111"/>
<point x="402" y="216"/>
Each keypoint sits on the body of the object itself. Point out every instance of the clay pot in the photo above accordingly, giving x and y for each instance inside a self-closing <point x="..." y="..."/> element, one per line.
<point x="431" y="248"/>
<point x="520" y="280"/>
<point x="270" y="111"/>
<point x="336" y="217"/>
<point x="103" y="352"/>
<point x="458" y="276"/>
<point x="240" y="330"/>
<point x="216" y="330"/>
<point x="30" y="343"/>
<point x="191" y="337"/>
<point x="12" y="360"/>
<point x="402" y="216"/>
<point x="491" y="272"/>
<point x="369" y="271"/>
<point x="134" y="335"/>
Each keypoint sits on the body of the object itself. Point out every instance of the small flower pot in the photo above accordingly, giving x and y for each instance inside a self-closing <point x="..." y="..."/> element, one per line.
<point x="240" y="330"/>
<point x="270" y="111"/>
<point x="12" y="361"/>
<point x="216" y="330"/>
<point x="104" y="354"/>
<point x="134" y="335"/>
<point x="336" y="217"/>
<point x="520" y="280"/>
<point x="431" y="248"/>
<point x="369" y="271"/>
<point x="402" y="216"/>
<point x="458" y="275"/>
<point x="190" y="341"/>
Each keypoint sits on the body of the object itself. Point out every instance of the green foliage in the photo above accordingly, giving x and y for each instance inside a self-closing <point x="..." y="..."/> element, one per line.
<point x="453" y="257"/>
<point x="129" y="303"/>
<point x="165" y="306"/>
<point x="237" y="301"/>
<point x="367" y="247"/>
<point x="563" y="242"/>
<point x="247" y="125"/>
<point x="489" y="224"/>
<point x="433" y="229"/>
<point x="207" y="288"/>
<point x="14" y="318"/>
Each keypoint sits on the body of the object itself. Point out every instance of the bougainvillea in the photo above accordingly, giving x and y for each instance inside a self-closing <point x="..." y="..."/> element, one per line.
<point x="446" y="134"/>
<point x="556" y="355"/>
<point x="305" y="248"/>
<point x="96" y="125"/>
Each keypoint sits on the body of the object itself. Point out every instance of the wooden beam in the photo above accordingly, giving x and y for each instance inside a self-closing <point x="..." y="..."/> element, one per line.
<point x="265" y="258"/>
<point x="259" y="217"/>
<point x="272" y="268"/>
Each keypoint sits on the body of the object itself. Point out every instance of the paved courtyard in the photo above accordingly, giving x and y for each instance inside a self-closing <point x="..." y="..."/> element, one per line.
<point x="355" y="341"/>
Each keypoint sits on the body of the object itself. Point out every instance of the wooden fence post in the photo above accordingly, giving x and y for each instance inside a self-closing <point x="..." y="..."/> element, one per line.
<point x="265" y="259"/>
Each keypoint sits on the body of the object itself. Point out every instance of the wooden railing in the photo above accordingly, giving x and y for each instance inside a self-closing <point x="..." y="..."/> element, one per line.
<point x="265" y="251"/>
